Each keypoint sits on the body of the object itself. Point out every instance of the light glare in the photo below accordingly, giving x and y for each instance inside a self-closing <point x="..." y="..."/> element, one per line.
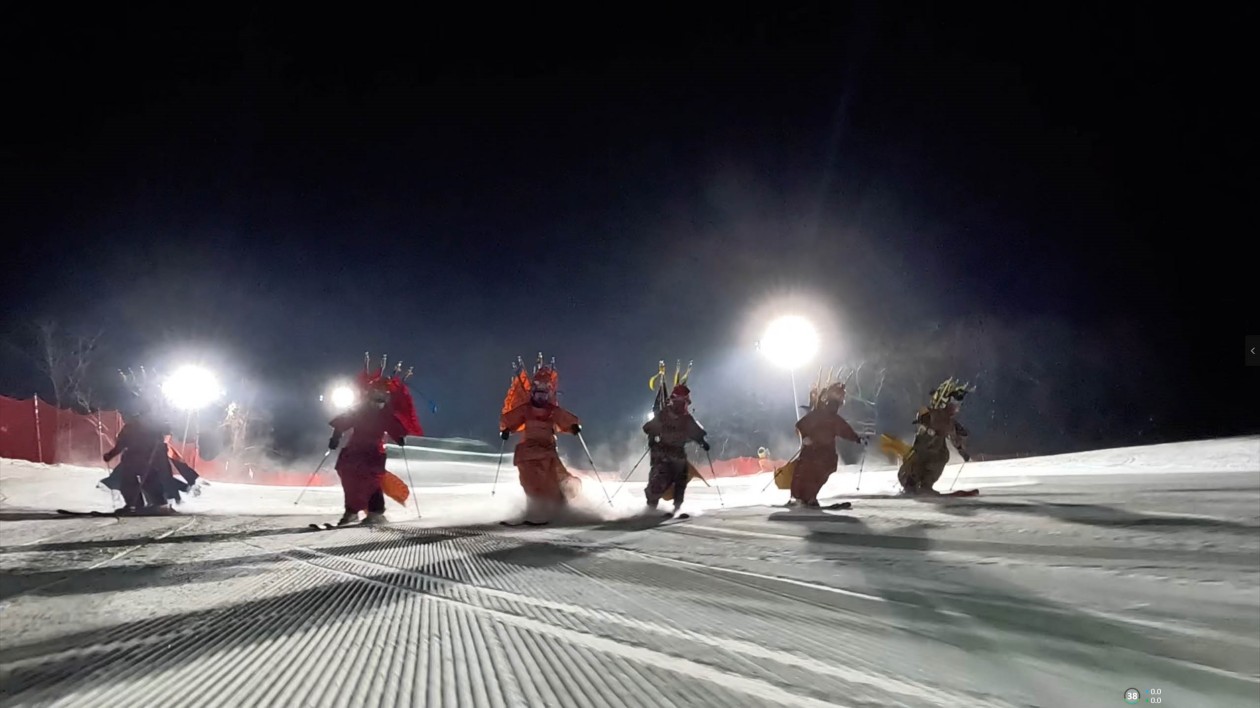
<point x="790" y="342"/>
<point x="191" y="388"/>
<point x="343" y="397"/>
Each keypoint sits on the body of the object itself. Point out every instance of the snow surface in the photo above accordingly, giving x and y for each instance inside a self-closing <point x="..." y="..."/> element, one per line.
<point x="1071" y="579"/>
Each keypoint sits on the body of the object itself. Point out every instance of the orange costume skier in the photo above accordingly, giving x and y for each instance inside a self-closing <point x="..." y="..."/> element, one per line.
<point x="530" y="409"/>
<point x="819" y="429"/>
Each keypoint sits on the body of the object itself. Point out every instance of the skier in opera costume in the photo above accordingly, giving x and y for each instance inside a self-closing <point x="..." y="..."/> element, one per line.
<point x="530" y="409"/>
<point x="145" y="476"/>
<point x="819" y="429"/>
<point x="672" y="426"/>
<point x="384" y="408"/>
<point x="924" y="461"/>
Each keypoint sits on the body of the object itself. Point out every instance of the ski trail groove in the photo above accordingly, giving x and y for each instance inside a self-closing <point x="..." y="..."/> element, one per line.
<point x="109" y="652"/>
<point x="746" y="685"/>
<point x="552" y="609"/>
<point x="144" y="542"/>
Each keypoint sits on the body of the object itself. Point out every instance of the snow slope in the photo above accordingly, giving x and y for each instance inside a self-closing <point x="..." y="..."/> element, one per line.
<point x="1071" y="579"/>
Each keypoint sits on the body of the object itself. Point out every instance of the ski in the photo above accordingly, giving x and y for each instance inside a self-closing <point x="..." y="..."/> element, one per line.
<point x="672" y="518"/>
<point x="828" y="507"/>
<point x="67" y="512"/>
<point x="329" y="527"/>
<point x="962" y="493"/>
<point x="509" y="524"/>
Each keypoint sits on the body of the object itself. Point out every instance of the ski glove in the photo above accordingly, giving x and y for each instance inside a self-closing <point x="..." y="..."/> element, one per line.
<point x="505" y="434"/>
<point x="704" y="445"/>
<point x="334" y="441"/>
<point x="965" y="455"/>
<point x="576" y="429"/>
<point x="400" y="442"/>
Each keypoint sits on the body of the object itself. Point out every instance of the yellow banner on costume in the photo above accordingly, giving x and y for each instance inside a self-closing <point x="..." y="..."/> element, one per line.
<point x="783" y="475"/>
<point x="895" y="449"/>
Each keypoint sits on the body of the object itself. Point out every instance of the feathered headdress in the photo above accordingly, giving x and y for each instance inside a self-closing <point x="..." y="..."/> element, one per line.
<point x="146" y="387"/>
<point x="395" y="385"/>
<point x="544" y="378"/>
<point x="664" y="392"/>
<point x="831" y="387"/>
<point x="139" y="384"/>
<point x="950" y="389"/>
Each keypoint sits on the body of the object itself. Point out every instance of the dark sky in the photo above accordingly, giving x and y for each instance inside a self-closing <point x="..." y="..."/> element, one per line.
<point x="1018" y="198"/>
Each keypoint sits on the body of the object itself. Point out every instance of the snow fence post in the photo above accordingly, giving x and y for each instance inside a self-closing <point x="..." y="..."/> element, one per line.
<point x="39" y="437"/>
<point x="100" y="437"/>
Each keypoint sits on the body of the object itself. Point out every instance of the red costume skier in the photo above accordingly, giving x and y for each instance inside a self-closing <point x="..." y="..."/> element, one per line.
<point x="530" y="409"/>
<point x="384" y="408"/>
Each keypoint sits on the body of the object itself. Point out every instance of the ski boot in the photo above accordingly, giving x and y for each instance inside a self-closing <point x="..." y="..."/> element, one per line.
<point x="348" y="518"/>
<point x="375" y="518"/>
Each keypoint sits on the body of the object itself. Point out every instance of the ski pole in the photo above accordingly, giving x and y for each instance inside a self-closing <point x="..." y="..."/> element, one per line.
<point x="956" y="475"/>
<point x="592" y="461"/>
<point x="415" y="497"/>
<point x="713" y="474"/>
<point x="498" y="467"/>
<point x="631" y="472"/>
<point x="312" y="478"/>
<point x="861" y="466"/>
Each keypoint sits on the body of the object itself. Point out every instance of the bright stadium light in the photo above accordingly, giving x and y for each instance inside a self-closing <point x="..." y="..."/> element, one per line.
<point x="191" y="388"/>
<point x="343" y="397"/>
<point x="790" y="342"/>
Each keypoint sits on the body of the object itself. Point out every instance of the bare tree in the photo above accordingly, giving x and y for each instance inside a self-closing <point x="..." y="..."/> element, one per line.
<point x="66" y="359"/>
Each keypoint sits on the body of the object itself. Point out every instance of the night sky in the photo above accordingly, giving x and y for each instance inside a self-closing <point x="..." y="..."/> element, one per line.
<point x="1026" y="201"/>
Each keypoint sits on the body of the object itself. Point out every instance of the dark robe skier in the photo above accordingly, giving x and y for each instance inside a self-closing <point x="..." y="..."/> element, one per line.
<point x="143" y="475"/>
<point x="923" y="465"/>
<point x="385" y="408"/>
<point x="818" y="459"/>
<point x="669" y="431"/>
<point x="191" y="482"/>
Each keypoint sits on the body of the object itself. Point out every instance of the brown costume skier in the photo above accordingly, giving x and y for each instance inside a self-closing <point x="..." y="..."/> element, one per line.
<point x="669" y="431"/>
<point x="819" y="429"/>
<point x="922" y="466"/>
